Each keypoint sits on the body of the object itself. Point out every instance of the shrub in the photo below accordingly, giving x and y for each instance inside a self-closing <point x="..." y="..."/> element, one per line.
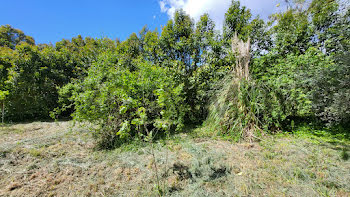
<point x="31" y="85"/>
<point x="331" y="92"/>
<point x="123" y="103"/>
<point x="311" y="84"/>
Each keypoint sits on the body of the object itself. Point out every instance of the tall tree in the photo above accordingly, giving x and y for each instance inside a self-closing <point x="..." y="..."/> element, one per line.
<point x="292" y="33"/>
<point x="237" y="19"/>
<point x="10" y="37"/>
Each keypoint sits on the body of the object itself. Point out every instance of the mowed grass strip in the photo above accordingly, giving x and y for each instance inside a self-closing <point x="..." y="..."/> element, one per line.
<point x="59" y="159"/>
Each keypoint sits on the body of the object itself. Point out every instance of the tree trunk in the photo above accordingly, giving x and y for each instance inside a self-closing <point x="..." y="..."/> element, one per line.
<point x="3" y="112"/>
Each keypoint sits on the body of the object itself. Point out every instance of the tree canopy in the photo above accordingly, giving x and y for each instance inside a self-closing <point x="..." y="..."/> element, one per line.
<point x="163" y="80"/>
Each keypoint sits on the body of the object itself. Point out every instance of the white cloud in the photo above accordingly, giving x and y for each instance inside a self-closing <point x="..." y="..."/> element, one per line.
<point x="216" y="8"/>
<point x="162" y="6"/>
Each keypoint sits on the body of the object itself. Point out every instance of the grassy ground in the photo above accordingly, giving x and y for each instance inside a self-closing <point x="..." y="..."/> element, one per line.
<point x="58" y="159"/>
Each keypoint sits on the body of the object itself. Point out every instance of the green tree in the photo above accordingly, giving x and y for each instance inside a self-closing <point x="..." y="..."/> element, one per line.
<point x="260" y="37"/>
<point x="10" y="37"/>
<point x="151" y="48"/>
<point x="33" y="94"/>
<point x="236" y="20"/>
<point x="6" y="77"/>
<point x="292" y="33"/>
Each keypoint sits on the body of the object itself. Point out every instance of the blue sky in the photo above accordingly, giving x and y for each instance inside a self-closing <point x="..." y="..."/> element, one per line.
<point x="50" y="21"/>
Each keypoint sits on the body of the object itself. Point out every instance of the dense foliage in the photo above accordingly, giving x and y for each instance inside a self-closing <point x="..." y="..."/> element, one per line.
<point x="126" y="103"/>
<point x="187" y="73"/>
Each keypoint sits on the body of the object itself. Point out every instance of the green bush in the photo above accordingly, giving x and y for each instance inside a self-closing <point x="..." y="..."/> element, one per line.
<point x="294" y="79"/>
<point x="331" y="92"/>
<point x="123" y="103"/>
<point x="32" y="88"/>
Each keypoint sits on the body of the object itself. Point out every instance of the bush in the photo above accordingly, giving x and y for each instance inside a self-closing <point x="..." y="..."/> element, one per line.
<point x="125" y="103"/>
<point x="331" y="92"/>
<point x="31" y="85"/>
<point x="301" y="81"/>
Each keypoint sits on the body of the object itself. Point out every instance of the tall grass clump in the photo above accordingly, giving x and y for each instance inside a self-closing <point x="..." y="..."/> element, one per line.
<point x="241" y="108"/>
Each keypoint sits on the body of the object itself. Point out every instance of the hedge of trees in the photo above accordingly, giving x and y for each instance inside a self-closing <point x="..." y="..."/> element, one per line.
<point x="161" y="81"/>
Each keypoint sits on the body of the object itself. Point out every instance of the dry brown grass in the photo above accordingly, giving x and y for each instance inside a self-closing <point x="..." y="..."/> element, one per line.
<point x="56" y="159"/>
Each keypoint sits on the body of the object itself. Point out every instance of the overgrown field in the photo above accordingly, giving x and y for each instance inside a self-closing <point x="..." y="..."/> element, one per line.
<point x="59" y="159"/>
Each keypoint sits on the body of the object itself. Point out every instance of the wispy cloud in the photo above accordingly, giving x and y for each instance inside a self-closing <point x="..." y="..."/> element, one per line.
<point x="216" y="8"/>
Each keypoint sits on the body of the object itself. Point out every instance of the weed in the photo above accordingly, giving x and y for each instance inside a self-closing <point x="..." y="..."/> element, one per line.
<point x="344" y="155"/>
<point x="36" y="152"/>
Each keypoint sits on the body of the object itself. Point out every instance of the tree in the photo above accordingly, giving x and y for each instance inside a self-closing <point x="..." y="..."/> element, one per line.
<point x="33" y="94"/>
<point x="6" y="77"/>
<point x="10" y="37"/>
<point x="151" y="46"/>
<point x="292" y="33"/>
<point x="237" y="20"/>
<point x="260" y="37"/>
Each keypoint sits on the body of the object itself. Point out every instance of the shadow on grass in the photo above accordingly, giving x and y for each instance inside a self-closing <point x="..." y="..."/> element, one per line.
<point x="335" y="137"/>
<point x="138" y="140"/>
<point x="11" y="123"/>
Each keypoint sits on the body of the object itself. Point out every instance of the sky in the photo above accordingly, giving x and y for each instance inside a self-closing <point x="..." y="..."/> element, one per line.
<point x="49" y="21"/>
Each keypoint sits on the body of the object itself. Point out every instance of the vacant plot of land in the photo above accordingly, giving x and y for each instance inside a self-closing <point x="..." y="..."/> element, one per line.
<point x="58" y="159"/>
